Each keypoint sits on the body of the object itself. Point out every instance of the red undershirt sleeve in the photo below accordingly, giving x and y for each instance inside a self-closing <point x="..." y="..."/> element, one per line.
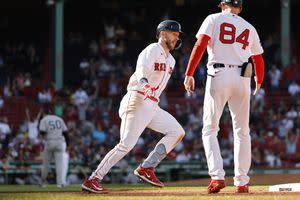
<point x="197" y="54"/>
<point x="259" y="67"/>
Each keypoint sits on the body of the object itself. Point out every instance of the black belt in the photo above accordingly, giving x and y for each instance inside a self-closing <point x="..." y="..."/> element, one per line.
<point x="221" y="65"/>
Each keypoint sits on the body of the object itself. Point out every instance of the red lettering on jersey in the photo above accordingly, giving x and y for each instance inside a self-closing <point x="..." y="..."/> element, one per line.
<point x="156" y="66"/>
<point x="243" y="38"/>
<point x="162" y="67"/>
<point x="230" y="30"/>
<point x="159" y="66"/>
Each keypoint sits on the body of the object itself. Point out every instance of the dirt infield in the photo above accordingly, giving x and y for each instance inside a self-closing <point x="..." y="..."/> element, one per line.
<point x="269" y="179"/>
<point x="261" y="179"/>
<point x="225" y="192"/>
<point x="185" y="189"/>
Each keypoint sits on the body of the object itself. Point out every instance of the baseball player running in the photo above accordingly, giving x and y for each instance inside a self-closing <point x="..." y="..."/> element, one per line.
<point x="230" y="41"/>
<point x="55" y="131"/>
<point x="139" y="109"/>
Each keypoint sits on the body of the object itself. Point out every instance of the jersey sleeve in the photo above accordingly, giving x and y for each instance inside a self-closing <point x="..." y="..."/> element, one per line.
<point x="42" y="126"/>
<point x="255" y="46"/>
<point x="207" y="27"/>
<point x="145" y="62"/>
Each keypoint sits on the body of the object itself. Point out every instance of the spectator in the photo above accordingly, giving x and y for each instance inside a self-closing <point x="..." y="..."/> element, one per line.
<point x="272" y="159"/>
<point x="291" y="144"/>
<point x="45" y="96"/>
<point x="113" y="86"/>
<point x="109" y="30"/>
<point x="81" y="101"/>
<point x="99" y="134"/>
<point x="4" y="128"/>
<point x="292" y="113"/>
<point x="182" y="157"/>
<point x="7" y="90"/>
<point x="32" y="123"/>
<point x="84" y="64"/>
<point x="294" y="88"/>
<point x="275" y="76"/>
<point x="27" y="80"/>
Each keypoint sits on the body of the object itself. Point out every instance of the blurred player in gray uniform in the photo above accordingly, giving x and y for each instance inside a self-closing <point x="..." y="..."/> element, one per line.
<point x="54" y="130"/>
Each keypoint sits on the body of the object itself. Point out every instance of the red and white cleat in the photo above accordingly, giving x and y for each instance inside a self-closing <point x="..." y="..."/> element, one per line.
<point x="93" y="185"/>
<point x="215" y="186"/>
<point x="147" y="175"/>
<point x="242" y="189"/>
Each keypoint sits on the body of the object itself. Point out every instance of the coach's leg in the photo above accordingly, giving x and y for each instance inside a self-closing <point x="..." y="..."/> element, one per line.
<point x="214" y="102"/>
<point x="165" y="123"/>
<point x="239" y="107"/>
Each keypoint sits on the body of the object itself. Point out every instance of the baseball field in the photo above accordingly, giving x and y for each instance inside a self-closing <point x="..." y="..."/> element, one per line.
<point x="195" y="189"/>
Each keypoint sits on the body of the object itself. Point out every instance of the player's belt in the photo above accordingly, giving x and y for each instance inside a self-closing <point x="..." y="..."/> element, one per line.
<point x="221" y="65"/>
<point x="149" y="97"/>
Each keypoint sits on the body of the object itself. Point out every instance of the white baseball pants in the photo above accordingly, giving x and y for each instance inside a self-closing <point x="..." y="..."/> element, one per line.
<point x="137" y="114"/>
<point x="227" y="86"/>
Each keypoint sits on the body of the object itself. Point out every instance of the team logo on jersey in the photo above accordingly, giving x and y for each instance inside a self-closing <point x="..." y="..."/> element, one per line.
<point x="160" y="67"/>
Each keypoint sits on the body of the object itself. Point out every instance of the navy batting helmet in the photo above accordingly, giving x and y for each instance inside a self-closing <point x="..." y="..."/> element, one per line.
<point x="170" y="25"/>
<point x="235" y="3"/>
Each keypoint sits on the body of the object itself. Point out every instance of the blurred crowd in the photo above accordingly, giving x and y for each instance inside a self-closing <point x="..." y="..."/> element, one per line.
<point x="97" y="69"/>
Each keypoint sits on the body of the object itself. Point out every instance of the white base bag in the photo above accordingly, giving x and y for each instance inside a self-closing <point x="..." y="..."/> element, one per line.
<point x="289" y="187"/>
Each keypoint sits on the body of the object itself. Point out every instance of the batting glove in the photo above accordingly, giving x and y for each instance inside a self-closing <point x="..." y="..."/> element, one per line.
<point x="148" y="90"/>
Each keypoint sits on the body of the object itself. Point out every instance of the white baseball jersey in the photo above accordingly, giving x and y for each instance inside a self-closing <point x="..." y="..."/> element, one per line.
<point x="54" y="126"/>
<point x="154" y="64"/>
<point x="233" y="39"/>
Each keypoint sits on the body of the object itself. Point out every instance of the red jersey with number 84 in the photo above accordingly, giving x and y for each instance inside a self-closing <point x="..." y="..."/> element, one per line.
<point x="233" y="39"/>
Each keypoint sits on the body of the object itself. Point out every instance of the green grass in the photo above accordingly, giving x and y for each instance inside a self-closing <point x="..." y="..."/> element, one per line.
<point x="121" y="192"/>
